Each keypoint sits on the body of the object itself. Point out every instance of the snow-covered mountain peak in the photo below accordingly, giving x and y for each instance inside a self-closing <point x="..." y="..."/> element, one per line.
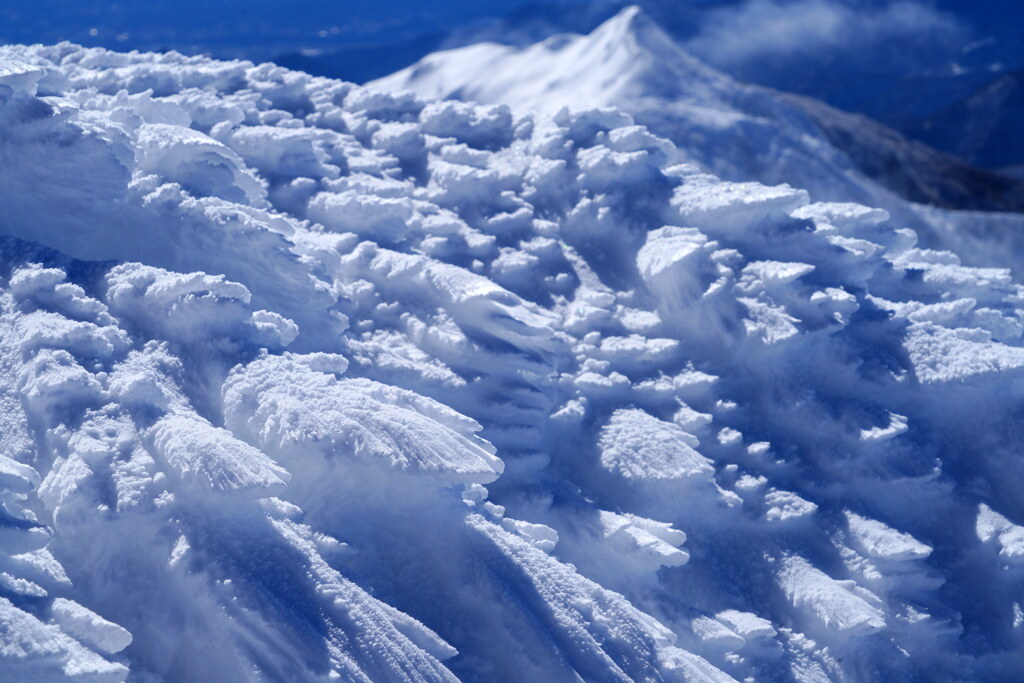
<point x="627" y="56"/>
<point x="628" y="34"/>
<point x="647" y="61"/>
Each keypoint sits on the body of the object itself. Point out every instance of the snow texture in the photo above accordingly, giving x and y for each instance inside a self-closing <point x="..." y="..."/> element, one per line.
<point x="302" y="381"/>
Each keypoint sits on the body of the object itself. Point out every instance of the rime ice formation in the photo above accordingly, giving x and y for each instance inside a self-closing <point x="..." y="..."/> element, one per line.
<point x="308" y="381"/>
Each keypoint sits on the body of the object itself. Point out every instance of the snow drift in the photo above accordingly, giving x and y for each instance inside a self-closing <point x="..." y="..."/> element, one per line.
<point x="309" y="381"/>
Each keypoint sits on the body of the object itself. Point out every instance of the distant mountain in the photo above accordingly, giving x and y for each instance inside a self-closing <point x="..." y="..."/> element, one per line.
<point x="986" y="128"/>
<point x="738" y="131"/>
<point x="913" y="169"/>
<point x="907" y="76"/>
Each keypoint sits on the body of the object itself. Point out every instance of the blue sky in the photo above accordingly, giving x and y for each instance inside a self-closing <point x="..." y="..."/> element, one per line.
<point x="226" y="26"/>
<point x="732" y="34"/>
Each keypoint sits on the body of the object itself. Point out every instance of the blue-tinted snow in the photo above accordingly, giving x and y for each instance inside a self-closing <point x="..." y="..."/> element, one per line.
<point x="303" y="380"/>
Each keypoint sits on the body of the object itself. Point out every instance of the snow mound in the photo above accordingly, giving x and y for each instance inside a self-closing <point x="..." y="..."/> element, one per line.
<point x="303" y="380"/>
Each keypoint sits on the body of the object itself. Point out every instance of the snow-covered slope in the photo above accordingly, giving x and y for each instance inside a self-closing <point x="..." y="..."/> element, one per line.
<point x="308" y="381"/>
<point x="737" y="131"/>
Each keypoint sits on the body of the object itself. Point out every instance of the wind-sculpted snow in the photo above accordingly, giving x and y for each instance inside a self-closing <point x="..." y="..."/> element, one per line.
<point x="291" y="407"/>
<point x="301" y="381"/>
<point x="637" y="445"/>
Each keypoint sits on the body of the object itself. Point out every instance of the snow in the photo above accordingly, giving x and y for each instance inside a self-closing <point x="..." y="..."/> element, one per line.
<point x="89" y="626"/>
<point x="303" y="380"/>
<point x="288" y="407"/>
<point x="34" y="650"/>
<point x="1008" y="536"/>
<point x="746" y="625"/>
<point x="209" y="458"/>
<point x="637" y="445"/>
<point x="883" y="542"/>
<point x="843" y="608"/>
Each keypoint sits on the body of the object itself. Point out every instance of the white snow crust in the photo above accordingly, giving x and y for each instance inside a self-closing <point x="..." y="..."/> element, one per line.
<point x="307" y="381"/>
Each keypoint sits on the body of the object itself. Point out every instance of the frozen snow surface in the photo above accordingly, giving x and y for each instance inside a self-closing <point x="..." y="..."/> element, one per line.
<point x="303" y="381"/>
